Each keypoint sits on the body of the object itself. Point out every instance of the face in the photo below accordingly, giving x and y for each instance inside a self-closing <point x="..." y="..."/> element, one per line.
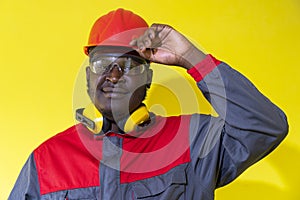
<point x="117" y="85"/>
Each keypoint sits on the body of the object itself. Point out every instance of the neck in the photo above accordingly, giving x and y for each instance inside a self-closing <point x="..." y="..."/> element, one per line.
<point x="114" y="127"/>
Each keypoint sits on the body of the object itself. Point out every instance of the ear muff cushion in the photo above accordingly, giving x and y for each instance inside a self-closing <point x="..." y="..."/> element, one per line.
<point x="92" y="113"/>
<point x="137" y="117"/>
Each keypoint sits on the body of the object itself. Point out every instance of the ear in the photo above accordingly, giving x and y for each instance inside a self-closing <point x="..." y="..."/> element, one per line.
<point x="87" y="73"/>
<point x="88" y="77"/>
<point x="149" y="77"/>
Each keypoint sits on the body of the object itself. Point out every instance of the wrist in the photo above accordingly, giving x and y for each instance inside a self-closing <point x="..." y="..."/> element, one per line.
<point x="201" y="69"/>
<point x="192" y="57"/>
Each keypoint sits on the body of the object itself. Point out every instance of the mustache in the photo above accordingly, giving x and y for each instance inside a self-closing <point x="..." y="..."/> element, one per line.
<point x="110" y="87"/>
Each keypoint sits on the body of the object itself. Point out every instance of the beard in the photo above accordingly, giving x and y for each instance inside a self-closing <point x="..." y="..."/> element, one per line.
<point x="116" y="109"/>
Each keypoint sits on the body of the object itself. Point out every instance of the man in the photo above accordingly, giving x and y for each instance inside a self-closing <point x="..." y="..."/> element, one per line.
<point x="121" y="151"/>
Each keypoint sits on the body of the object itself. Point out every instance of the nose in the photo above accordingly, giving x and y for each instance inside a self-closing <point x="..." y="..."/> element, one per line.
<point x="115" y="74"/>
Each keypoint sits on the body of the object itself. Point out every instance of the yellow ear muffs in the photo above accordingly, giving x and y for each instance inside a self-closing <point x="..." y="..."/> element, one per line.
<point x="138" y="117"/>
<point x="91" y="112"/>
<point x="95" y="122"/>
<point x="91" y="118"/>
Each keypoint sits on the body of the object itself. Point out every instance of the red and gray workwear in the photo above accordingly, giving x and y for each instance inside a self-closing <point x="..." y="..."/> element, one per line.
<point x="179" y="157"/>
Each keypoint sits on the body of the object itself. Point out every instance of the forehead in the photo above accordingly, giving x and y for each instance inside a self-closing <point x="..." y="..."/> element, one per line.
<point x="114" y="51"/>
<point x="117" y="53"/>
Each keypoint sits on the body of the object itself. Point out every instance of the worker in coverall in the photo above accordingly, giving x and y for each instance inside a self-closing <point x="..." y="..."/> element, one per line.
<point x="120" y="150"/>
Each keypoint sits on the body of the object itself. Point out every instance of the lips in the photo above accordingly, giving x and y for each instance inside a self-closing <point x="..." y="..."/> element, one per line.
<point x="114" y="92"/>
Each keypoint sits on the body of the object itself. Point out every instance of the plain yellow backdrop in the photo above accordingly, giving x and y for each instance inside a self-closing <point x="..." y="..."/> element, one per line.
<point x="41" y="54"/>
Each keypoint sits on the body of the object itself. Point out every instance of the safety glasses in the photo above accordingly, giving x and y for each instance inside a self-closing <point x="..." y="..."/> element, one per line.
<point x="129" y="65"/>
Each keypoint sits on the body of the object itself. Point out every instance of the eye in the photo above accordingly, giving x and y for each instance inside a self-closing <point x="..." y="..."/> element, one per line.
<point x="97" y="66"/>
<point x="100" y="66"/>
<point x="127" y="63"/>
<point x="136" y="70"/>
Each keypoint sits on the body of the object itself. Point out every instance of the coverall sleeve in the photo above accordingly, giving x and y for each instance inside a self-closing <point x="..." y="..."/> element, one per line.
<point x="27" y="185"/>
<point x="248" y="126"/>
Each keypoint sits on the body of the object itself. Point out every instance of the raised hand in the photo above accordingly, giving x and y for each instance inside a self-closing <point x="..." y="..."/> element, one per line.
<point x="163" y="44"/>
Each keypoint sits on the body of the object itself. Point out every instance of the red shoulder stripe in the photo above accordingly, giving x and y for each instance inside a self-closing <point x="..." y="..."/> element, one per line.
<point x="63" y="163"/>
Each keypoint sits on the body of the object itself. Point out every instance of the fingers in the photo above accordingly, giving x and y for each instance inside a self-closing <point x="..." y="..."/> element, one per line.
<point x="147" y="40"/>
<point x="152" y="39"/>
<point x="162" y="30"/>
<point x="159" y="27"/>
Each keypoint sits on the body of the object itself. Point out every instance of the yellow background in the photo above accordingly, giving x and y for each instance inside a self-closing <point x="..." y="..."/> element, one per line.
<point x="41" y="53"/>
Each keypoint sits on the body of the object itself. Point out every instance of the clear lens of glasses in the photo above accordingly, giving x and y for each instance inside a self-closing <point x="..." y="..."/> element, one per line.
<point x="128" y="65"/>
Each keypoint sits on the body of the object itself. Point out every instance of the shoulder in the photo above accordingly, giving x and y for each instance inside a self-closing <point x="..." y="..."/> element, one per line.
<point x="62" y="144"/>
<point x="63" y="161"/>
<point x="59" y="139"/>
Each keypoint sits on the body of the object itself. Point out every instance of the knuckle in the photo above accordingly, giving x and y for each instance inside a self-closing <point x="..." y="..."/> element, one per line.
<point x="147" y="42"/>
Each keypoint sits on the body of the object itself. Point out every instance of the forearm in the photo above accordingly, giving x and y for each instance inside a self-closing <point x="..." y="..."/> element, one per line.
<point x="248" y="127"/>
<point x="236" y="99"/>
<point x="191" y="58"/>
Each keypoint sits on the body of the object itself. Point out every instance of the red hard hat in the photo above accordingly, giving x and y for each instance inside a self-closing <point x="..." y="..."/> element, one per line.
<point x="116" y="28"/>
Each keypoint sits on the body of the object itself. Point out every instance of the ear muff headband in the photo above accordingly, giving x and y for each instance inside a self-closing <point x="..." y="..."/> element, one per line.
<point x="95" y="122"/>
